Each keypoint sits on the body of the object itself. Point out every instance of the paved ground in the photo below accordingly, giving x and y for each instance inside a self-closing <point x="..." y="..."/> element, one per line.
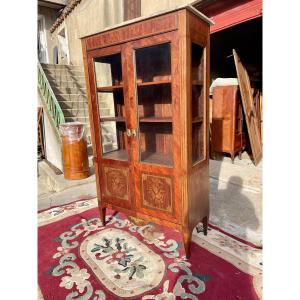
<point x="235" y="195"/>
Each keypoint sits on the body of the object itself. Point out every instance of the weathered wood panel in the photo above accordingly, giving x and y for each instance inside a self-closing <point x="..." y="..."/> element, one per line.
<point x="249" y="109"/>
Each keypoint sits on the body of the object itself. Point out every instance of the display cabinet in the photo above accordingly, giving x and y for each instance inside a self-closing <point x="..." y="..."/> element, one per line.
<point x="227" y="130"/>
<point x="147" y="83"/>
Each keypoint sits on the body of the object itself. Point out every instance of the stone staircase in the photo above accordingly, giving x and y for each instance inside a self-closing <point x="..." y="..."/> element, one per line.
<point x="68" y="85"/>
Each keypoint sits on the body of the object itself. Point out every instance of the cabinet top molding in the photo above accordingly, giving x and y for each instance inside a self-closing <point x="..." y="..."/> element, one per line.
<point x="160" y="13"/>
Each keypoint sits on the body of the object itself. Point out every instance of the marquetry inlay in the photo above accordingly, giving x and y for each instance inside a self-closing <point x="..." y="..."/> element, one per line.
<point x="116" y="182"/>
<point x="157" y="192"/>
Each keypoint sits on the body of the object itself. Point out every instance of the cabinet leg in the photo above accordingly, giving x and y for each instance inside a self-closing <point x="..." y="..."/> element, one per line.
<point x="205" y="225"/>
<point x="232" y="157"/>
<point x="240" y="155"/>
<point x="102" y="212"/>
<point x="187" y="242"/>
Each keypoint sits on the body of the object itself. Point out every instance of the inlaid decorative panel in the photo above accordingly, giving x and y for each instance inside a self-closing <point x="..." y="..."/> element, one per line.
<point x="116" y="182"/>
<point x="157" y="192"/>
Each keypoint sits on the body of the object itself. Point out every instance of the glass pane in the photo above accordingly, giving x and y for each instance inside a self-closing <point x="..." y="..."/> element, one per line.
<point x="197" y="59"/>
<point x="154" y="101"/>
<point x="108" y="70"/>
<point x="111" y="107"/>
<point x="114" y="140"/>
<point x="156" y="143"/>
<point x="153" y="63"/>
<point x="197" y="142"/>
<point x="153" y="71"/>
<point x="113" y="128"/>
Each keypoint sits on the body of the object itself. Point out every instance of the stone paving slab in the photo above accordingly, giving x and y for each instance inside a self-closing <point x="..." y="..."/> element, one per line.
<point x="237" y="210"/>
<point x="67" y="196"/>
<point x="241" y="175"/>
<point x="58" y="183"/>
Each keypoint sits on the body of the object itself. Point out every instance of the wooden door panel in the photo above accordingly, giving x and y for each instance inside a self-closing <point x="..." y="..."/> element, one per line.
<point x="221" y="135"/>
<point x="249" y="109"/>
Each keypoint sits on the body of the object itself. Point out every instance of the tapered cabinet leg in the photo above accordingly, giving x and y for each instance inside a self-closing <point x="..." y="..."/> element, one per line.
<point x="187" y="242"/>
<point x="205" y="225"/>
<point x="240" y="155"/>
<point x="232" y="157"/>
<point x="102" y="212"/>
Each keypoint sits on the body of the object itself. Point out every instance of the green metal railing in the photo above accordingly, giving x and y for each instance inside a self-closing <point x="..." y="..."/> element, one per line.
<point x="49" y="100"/>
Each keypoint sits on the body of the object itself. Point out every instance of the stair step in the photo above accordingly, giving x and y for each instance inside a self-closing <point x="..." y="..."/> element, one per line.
<point x="73" y="104"/>
<point x="68" y="90"/>
<point x="67" y="77"/>
<point x="59" y="72"/>
<point x="75" y="112"/>
<point x="78" y="119"/>
<point x="71" y="97"/>
<point x="66" y="83"/>
<point x="103" y="104"/>
<point x="68" y="67"/>
<point x="105" y="112"/>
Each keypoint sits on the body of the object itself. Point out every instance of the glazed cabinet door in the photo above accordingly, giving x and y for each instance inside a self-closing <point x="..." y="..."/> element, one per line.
<point x="109" y="111"/>
<point x="153" y="93"/>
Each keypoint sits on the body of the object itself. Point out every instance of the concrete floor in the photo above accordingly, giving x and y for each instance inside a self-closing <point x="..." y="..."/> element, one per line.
<point x="235" y="195"/>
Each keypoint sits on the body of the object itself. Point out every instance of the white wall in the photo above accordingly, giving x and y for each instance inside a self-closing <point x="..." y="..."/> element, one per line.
<point x="151" y="7"/>
<point x="52" y="145"/>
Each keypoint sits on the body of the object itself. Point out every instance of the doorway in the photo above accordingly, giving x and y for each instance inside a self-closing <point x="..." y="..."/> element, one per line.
<point x="63" y="49"/>
<point x="42" y="41"/>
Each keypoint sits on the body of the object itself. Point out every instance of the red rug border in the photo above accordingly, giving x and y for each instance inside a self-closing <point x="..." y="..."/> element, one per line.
<point x="79" y="199"/>
<point x="209" y="224"/>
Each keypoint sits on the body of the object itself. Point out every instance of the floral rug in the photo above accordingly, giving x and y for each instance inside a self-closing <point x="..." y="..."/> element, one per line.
<point x="78" y="258"/>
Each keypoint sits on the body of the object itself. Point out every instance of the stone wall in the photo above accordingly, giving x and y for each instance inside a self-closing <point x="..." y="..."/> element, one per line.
<point x="90" y="16"/>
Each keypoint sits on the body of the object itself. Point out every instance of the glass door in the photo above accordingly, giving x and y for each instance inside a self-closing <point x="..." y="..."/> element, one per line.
<point x="154" y="100"/>
<point x="111" y="107"/>
<point x="198" y="103"/>
<point x="155" y="95"/>
<point x="109" y="110"/>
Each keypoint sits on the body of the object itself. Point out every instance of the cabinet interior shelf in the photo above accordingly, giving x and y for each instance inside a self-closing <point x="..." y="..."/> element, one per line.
<point x="158" y="82"/>
<point x="156" y="119"/>
<point x="157" y="158"/>
<point x="121" y="154"/>
<point x="109" y="88"/>
<point x="197" y="82"/>
<point x="115" y="119"/>
<point x="197" y="120"/>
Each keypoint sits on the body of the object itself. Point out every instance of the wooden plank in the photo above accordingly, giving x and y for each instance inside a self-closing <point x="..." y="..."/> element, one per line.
<point x="249" y="109"/>
<point x="156" y="119"/>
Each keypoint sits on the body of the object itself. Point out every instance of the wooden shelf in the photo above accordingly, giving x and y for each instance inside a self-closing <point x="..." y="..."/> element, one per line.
<point x="121" y="154"/>
<point x="197" y="120"/>
<point x="197" y="82"/>
<point x="111" y="88"/>
<point x="150" y="83"/>
<point x="156" y="119"/>
<point x="115" y="119"/>
<point x="157" y="158"/>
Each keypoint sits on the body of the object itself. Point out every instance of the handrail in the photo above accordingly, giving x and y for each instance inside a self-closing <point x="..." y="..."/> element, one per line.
<point x="49" y="99"/>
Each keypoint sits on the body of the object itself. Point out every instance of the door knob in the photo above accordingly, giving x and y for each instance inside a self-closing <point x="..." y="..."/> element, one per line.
<point x="129" y="133"/>
<point x="133" y="133"/>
